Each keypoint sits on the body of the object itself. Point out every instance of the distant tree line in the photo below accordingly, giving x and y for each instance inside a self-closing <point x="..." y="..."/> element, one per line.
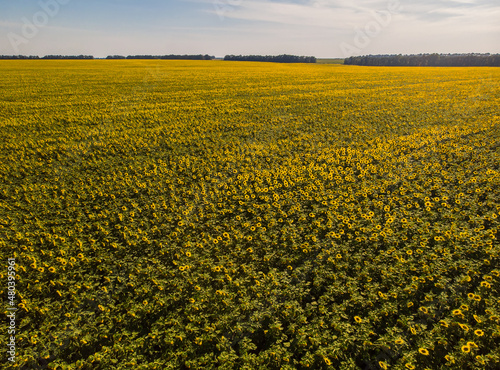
<point x="46" y="57"/>
<point x="171" y="56"/>
<point x="19" y="57"/>
<point x="68" y="57"/>
<point x="431" y="60"/>
<point x="285" y="58"/>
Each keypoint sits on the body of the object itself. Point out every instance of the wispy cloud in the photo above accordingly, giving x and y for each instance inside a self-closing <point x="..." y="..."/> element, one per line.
<point x="319" y="13"/>
<point x="15" y="26"/>
<point x="343" y="15"/>
<point x="10" y="24"/>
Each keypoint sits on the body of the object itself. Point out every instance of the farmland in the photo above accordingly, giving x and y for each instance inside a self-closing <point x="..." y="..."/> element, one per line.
<point x="238" y="215"/>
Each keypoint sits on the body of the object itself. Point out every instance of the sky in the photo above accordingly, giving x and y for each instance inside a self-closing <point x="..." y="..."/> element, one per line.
<point x="321" y="28"/>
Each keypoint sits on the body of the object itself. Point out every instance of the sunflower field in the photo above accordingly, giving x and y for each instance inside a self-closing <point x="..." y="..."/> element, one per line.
<point x="239" y="215"/>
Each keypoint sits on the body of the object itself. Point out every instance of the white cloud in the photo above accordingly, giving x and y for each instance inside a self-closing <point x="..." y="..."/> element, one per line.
<point x="427" y="25"/>
<point x="335" y="14"/>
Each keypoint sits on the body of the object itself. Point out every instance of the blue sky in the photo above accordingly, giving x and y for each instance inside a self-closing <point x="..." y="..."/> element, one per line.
<point x="323" y="28"/>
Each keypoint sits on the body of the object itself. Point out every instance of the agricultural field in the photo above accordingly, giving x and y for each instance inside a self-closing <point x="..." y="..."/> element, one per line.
<point x="239" y="215"/>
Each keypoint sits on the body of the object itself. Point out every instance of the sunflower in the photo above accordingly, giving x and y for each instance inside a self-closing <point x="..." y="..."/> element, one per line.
<point x="480" y="360"/>
<point x="485" y="284"/>
<point x="464" y="327"/>
<point x="423" y="351"/>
